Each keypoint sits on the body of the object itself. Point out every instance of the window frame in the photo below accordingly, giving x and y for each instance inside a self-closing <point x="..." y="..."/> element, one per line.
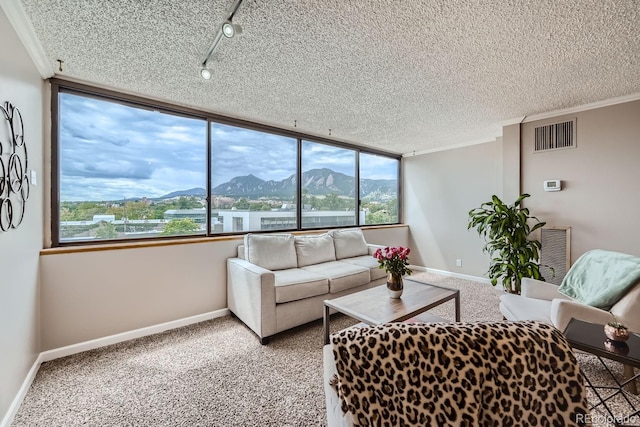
<point x="79" y="89"/>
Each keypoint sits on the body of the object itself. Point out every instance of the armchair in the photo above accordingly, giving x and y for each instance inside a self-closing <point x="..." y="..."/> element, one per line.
<point x="541" y="301"/>
<point x="612" y="279"/>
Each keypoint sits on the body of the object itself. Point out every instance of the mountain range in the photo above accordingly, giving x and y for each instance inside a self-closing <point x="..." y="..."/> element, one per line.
<point x="314" y="182"/>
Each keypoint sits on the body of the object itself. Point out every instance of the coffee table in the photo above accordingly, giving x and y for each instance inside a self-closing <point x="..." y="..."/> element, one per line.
<point x="374" y="306"/>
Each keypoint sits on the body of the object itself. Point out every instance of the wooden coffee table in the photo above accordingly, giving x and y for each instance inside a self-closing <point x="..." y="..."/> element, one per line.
<point x="374" y="306"/>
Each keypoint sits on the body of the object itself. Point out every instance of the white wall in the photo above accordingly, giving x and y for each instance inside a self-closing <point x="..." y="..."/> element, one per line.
<point x="600" y="198"/>
<point x="89" y="295"/>
<point x="21" y="85"/>
<point x="439" y="191"/>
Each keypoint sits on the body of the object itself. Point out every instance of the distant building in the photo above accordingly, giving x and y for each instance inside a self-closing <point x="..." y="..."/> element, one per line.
<point x="104" y="218"/>
<point x="244" y="220"/>
<point x="199" y="216"/>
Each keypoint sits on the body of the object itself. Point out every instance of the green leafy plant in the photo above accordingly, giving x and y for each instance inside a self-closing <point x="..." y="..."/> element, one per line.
<point x="180" y="226"/>
<point x="615" y="323"/>
<point x="506" y="230"/>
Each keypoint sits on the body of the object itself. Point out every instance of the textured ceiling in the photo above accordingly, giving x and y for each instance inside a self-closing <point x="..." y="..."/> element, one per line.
<point x="401" y="76"/>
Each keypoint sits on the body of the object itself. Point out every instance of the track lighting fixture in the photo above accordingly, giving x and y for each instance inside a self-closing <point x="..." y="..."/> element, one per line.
<point x="228" y="29"/>
<point x="205" y="73"/>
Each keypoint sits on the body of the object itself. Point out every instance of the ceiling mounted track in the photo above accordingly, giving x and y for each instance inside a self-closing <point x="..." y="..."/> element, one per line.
<point x="228" y="30"/>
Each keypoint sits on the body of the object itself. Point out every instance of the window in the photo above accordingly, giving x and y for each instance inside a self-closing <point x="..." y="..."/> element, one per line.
<point x="253" y="175"/>
<point x="328" y="186"/>
<point x="379" y="189"/>
<point x="124" y="167"/>
<point x="127" y="172"/>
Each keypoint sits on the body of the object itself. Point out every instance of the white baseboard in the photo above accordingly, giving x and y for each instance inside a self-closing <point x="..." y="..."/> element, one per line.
<point x="17" y="401"/>
<point x="452" y="274"/>
<point x="56" y="353"/>
<point x="126" y="336"/>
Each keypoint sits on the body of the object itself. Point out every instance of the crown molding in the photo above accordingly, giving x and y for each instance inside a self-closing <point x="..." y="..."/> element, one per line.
<point x="572" y="110"/>
<point x="535" y="117"/>
<point x="22" y="26"/>
<point x="454" y="146"/>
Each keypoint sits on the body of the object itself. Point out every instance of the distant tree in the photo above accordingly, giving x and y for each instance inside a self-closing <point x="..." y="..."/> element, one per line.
<point x="241" y="204"/>
<point x="382" y="213"/>
<point x="106" y="230"/>
<point x="180" y="226"/>
<point x="333" y="202"/>
<point x="190" y="202"/>
<point x="260" y="207"/>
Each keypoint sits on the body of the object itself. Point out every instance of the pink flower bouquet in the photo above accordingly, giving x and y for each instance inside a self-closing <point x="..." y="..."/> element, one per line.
<point x="394" y="260"/>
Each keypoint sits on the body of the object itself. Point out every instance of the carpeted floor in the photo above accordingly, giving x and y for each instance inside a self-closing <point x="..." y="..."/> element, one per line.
<point x="216" y="373"/>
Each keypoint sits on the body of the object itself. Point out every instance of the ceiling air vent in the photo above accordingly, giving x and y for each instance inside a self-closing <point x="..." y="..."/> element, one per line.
<point x="555" y="136"/>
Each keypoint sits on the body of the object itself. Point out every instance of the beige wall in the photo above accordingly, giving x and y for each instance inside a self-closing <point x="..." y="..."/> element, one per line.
<point x="91" y="295"/>
<point x="511" y="163"/>
<point x="21" y="85"/>
<point x="439" y="191"/>
<point x="600" y="199"/>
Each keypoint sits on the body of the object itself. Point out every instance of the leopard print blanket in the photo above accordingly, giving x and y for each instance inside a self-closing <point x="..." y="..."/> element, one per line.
<point x="459" y="374"/>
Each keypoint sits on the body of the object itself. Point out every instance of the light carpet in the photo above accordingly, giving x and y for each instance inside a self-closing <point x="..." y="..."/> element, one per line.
<point x="216" y="373"/>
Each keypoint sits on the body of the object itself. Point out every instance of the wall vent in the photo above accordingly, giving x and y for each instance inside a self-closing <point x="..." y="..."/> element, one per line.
<point x="555" y="253"/>
<point x="555" y="136"/>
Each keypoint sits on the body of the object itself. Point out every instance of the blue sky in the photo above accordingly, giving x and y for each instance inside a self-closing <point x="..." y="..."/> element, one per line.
<point x="110" y="151"/>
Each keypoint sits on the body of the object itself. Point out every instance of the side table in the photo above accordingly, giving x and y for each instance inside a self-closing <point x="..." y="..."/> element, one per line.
<point x="590" y="338"/>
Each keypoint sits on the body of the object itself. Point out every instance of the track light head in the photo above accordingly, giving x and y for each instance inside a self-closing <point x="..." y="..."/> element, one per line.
<point x="205" y="73"/>
<point x="229" y="30"/>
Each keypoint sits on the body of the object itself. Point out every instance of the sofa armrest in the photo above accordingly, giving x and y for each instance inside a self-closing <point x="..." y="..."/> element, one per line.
<point x="373" y="248"/>
<point x="563" y="310"/>
<point x="532" y="288"/>
<point x="251" y="295"/>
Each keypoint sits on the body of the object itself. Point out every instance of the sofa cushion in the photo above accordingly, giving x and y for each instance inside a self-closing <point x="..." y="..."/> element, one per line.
<point x="314" y="249"/>
<point x="349" y="243"/>
<point x="341" y="275"/>
<point x="369" y="262"/>
<point x="517" y="307"/>
<point x="294" y="284"/>
<point x="270" y="251"/>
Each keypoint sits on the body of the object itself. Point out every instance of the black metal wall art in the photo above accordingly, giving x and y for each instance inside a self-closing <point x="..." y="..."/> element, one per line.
<point x="14" y="180"/>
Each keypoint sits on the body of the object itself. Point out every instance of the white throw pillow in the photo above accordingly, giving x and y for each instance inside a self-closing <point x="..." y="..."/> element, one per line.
<point x="349" y="243"/>
<point x="314" y="249"/>
<point x="270" y="251"/>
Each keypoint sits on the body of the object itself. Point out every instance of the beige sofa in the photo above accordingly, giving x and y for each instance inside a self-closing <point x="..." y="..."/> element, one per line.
<point x="279" y="281"/>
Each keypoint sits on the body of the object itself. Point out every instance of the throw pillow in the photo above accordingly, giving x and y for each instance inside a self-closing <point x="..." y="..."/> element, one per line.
<point x="349" y="243"/>
<point x="270" y="251"/>
<point x="314" y="249"/>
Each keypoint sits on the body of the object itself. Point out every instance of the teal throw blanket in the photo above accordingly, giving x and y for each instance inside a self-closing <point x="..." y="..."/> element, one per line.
<point x="600" y="278"/>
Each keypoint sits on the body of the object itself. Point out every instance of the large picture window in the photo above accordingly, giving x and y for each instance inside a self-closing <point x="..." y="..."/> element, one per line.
<point x="128" y="168"/>
<point x="253" y="180"/>
<point x="379" y="189"/>
<point x="328" y="186"/>
<point x="127" y="172"/>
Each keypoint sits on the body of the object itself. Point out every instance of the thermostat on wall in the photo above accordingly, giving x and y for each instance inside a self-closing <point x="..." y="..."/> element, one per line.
<point x="553" y="185"/>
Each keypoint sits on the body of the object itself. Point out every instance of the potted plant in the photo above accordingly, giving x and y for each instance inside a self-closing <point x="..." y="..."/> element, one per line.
<point x="616" y="331"/>
<point x="395" y="261"/>
<point x="506" y="230"/>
